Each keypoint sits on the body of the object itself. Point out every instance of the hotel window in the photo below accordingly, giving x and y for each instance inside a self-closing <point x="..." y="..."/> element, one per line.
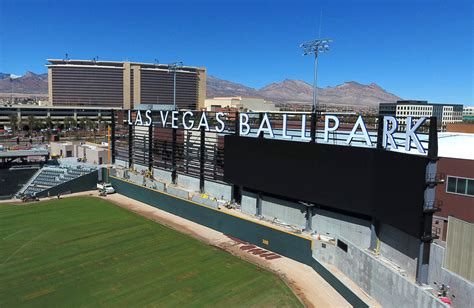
<point x="460" y="186"/>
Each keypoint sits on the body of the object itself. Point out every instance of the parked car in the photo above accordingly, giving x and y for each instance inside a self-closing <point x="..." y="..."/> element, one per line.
<point x="107" y="187"/>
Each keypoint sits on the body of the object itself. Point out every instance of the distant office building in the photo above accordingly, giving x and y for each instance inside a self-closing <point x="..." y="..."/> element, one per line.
<point x="446" y="113"/>
<point x="123" y="84"/>
<point x="240" y="102"/>
<point x="468" y="113"/>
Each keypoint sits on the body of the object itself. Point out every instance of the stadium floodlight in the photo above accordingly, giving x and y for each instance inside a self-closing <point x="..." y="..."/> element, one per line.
<point x="315" y="47"/>
<point x="173" y="67"/>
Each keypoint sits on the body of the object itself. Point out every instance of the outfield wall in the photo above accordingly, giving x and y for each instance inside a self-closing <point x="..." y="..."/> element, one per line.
<point x="291" y="245"/>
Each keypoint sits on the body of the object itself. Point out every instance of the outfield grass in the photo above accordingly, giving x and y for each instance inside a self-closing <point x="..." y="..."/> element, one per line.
<point x="87" y="252"/>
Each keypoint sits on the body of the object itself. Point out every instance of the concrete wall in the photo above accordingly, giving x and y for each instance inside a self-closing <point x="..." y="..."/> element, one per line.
<point x="140" y="168"/>
<point x="136" y="178"/>
<point x="288" y="212"/>
<point x="218" y="190"/>
<point x="248" y="205"/>
<point x="162" y="175"/>
<point x="181" y="193"/>
<point x="381" y="282"/>
<point x="121" y="163"/>
<point x="188" y="182"/>
<point x="356" y="230"/>
<point x="462" y="288"/>
<point x="399" y="248"/>
<point x="61" y="149"/>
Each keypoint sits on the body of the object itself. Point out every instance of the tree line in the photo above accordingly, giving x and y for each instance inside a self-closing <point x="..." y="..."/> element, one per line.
<point x="35" y="124"/>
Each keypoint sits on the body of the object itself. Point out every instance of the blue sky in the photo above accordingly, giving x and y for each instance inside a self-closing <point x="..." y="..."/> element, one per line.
<point x="415" y="49"/>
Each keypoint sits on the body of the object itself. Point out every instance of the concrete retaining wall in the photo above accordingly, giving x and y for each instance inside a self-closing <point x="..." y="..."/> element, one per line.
<point x="288" y="212"/>
<point x="218" y="190"/>
<point x="178" y="192"/>
<point x="462" y="289"/>
<point x="387" y="286"/>
<point x="248" y="205"/>
<point x="140" y="168"/>
<point x="400" y="248"/>
<point x="136" y="178"/>
<point x="188" y="182"/>
<point x="162" y="175"/>
<point x="356" y="230"/>
<point x="121" y="163"/>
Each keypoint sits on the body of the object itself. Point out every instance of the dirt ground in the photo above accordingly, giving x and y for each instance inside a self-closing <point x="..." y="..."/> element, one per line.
<point x="311" y="288"/>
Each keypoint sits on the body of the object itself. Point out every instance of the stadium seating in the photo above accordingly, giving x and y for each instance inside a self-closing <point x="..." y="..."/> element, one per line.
<point x="53" y="176"/>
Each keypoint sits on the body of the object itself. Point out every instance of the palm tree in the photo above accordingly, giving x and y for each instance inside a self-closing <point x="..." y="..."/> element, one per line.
<point x="90" y="125"/>
<point x="67" y="122"/>
<point x="32" y="123"/>
<point x="49" y="122"/>
<point x="13" y="121"/>
<point x="82" y="123"/>
<point x="99" y="124"/>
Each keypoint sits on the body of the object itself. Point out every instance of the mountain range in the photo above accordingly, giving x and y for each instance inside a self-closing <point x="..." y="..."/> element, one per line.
<point x="30" y="83"/>
<point x="349" y="93"/>
<point x="287" y="91"/>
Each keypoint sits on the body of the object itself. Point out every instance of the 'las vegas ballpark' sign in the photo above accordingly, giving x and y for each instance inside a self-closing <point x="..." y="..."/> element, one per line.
<point x="358" y="132"/>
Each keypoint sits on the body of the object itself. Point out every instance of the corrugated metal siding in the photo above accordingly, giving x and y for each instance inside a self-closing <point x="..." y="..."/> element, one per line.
<point x="87" y="86"/>
<point x="459" y="256"/>
<point x="157" y="88"/>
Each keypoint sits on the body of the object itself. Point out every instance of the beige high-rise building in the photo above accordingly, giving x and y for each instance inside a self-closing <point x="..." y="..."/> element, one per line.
<point x="123" y="84"/>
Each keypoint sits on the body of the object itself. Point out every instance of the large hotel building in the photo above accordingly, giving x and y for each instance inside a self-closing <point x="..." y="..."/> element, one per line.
<point x="123" y="84"/>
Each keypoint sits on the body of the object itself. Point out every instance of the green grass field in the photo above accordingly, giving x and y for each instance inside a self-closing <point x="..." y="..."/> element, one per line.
<point x="88" y="252"/>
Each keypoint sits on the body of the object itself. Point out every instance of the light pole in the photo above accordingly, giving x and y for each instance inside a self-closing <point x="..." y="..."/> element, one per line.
<point x="11" y="83"/>
<point x="315" y="47"/>
<point x="173" y="67"/>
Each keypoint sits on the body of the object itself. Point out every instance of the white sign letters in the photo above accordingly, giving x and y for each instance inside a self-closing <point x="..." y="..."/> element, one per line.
<point x="217" y="124"/>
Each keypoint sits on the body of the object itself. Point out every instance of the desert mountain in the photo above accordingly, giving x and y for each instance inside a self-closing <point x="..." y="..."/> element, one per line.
<point x="29" y="83"/>
<point x="296" y="91"/>
<point x="288" y="91"/>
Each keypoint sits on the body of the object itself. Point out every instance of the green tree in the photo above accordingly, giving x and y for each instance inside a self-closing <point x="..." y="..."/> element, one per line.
<point x="49" y="122"/>
<point x="82" y="123"/>
<point x="32" y="123"/>
<point x="67" y="122"/>
<point x="100" y="121"/>
<point x="89" y="123"/>
<point x="13" y="121"/>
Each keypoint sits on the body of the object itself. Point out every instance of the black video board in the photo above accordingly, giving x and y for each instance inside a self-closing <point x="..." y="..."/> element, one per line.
<point x="385" y="185"/>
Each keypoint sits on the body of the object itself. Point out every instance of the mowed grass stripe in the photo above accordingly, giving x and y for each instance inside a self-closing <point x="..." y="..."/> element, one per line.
<point x="87" y="252"/>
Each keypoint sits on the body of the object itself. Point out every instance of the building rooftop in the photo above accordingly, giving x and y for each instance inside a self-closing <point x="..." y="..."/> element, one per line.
<point x="456" y="145"/>
<point x="54" y="62"/>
